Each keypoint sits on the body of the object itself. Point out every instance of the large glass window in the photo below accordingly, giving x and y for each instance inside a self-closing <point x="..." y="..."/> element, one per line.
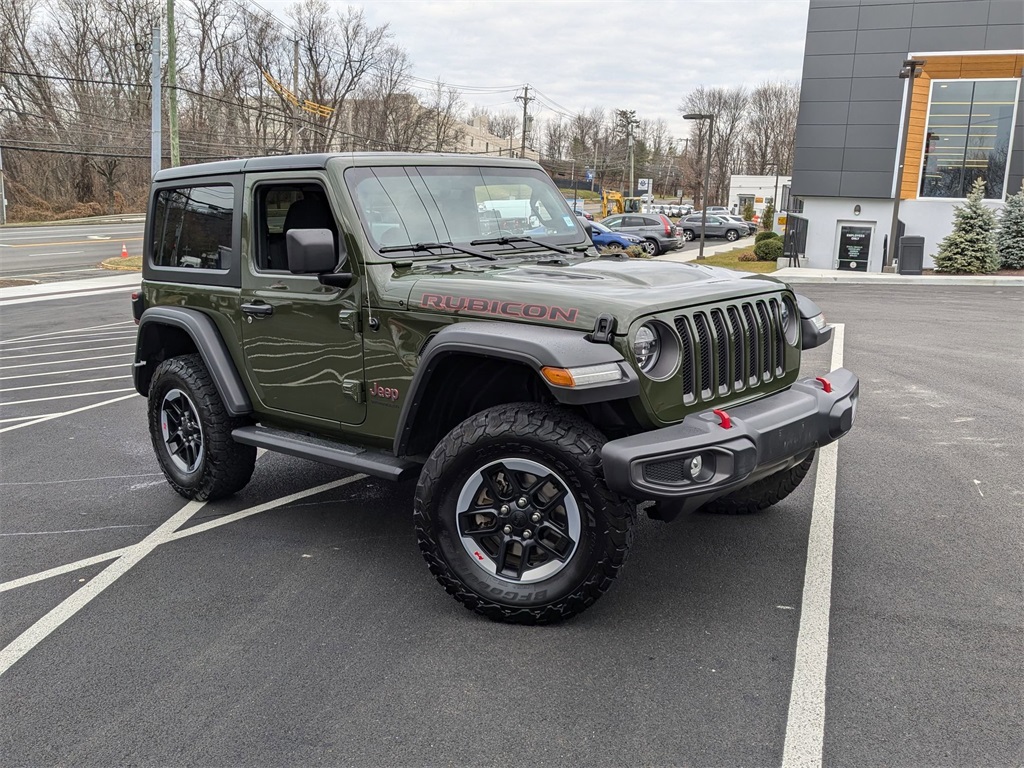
<point x="968" y="137"/>
<point x="402" y="206"/>
<point x="193" y="227"/>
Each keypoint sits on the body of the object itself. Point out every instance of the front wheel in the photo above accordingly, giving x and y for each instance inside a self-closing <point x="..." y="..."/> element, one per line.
<point x="732" y="235"/>
<point x="513" y="516"/>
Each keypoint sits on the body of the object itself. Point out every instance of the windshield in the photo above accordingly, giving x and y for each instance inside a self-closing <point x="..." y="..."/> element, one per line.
<point x="599" y="227"/>
<point x="429" y="204"/>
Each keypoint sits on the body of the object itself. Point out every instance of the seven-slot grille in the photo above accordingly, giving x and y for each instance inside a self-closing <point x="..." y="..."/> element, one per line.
<point x="731" y="348"/>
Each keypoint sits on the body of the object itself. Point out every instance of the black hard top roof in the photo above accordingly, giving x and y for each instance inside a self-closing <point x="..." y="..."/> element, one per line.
<point x="309" y="162"/>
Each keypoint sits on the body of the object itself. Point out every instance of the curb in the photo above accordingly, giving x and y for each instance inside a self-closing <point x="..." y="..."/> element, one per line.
<point x="796" y="275"/>
<point x="127" y="218"/>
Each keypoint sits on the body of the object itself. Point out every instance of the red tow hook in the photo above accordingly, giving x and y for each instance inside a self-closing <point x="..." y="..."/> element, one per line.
<point x="825" y="384"/>
<point x="723" y="419"/>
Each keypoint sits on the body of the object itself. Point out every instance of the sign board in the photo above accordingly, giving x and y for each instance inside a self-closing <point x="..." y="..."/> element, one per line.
<point x="643" y="184"/>
<point x="758" y="199"/>
<point x="854" y="244"/>
<point x="590" y="174"/>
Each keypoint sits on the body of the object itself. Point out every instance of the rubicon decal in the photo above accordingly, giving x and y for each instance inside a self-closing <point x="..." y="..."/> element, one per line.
<point x="386" y="393"/>
<point x="498" y="307"/>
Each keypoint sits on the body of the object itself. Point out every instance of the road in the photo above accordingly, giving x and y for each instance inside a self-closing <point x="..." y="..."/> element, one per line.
<point x="296" y="624"/>
<point x="64" y="252"/>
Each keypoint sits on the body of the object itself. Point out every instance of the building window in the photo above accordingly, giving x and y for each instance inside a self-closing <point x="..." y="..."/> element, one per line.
<point x="970" y="123"/>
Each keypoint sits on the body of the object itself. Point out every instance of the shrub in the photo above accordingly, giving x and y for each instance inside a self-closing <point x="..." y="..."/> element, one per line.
<point x="1010" y="238"/>
<point x="768" y="218"/>
<point x="971" y="247"/>
<point x="768" y="250"/>
<point x="765" y="236"/>
<point x="746" y="256"/>
<point x="636" y="252"/>
<point x="748" y="212"/>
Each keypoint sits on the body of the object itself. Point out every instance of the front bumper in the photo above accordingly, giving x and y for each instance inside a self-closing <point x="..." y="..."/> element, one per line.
<point x="762" y="437"/>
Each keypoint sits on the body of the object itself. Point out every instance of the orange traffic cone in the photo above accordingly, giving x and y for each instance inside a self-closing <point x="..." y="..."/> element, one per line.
<point x="124" y="251"/>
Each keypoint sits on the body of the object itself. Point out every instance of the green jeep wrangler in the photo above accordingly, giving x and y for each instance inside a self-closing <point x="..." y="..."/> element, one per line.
<point x="447" y="319"/>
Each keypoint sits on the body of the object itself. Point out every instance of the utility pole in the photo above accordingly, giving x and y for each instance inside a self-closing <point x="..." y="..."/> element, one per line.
<point x="156" y="137"/>
<point x="908" y="72"/>
<point x="525" y="98"/>
<point x="3" y="197"/>
<point x="172" y="83"/>
<point x="295" y="90"/>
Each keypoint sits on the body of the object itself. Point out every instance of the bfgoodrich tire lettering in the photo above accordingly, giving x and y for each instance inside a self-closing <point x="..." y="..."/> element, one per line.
<point x="213" y="465"/>
<point x="520" y="437"/>
<point x="762" y="494"/>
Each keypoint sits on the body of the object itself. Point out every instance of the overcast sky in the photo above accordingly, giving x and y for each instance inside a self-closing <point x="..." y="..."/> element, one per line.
<point x="635" y="54"/>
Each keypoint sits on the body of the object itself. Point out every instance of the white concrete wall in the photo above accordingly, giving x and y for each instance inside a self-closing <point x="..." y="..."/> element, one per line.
<point x="932" y="219"/>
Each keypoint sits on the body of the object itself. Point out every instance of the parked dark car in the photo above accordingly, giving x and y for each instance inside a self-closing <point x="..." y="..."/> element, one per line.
<point x="716" y="227"/>
<point x="605" y="238"/>
<point x="657" y="230"/>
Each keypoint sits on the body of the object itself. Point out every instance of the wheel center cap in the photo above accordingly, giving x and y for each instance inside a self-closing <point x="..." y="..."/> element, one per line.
<point x="518" y="518"/>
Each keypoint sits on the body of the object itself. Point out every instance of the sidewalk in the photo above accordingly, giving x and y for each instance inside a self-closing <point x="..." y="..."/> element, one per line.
<point x="806" y="275"/>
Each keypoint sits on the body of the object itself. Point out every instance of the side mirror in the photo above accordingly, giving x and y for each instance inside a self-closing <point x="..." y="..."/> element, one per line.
<point x="310" y="251"/>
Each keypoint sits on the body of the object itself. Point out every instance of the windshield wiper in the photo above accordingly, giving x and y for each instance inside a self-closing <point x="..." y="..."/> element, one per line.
<point x="434" y="246"/>
<point x="520" y="239"/>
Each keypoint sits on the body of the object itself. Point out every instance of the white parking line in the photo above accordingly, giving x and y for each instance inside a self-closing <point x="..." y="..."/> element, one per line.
<point x="58" y="333"/>
<point x="73" y="360"/>
<point x="805" y="721"/>
<point x="64" y="373"/>
<point x="63" y="384"/>
<point x="52" y="416"/>
<point x="84" y="337"/>
<point x="64" y="397"/>
<point x="126" y="559"/>
<point x="73" y="342"/>
<point x="71" y="295"/>
<point x="51" y="354"/>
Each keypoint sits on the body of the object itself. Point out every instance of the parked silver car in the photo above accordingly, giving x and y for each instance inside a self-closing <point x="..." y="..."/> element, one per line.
<point x="656" y="229"/>
<point x="716" y="227"/>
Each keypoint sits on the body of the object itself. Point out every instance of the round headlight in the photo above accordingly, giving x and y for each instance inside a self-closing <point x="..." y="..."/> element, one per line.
<point x="646" y="347"/>
<point x="790" y="321"/>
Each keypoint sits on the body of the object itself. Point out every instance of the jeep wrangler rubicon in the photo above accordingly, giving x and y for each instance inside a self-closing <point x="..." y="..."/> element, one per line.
<point x="447" y="318"/>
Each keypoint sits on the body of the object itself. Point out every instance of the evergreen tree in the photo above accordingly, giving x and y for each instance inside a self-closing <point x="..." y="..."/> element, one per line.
<point x="971" y="246"/>
<point x="1010" y="239"/>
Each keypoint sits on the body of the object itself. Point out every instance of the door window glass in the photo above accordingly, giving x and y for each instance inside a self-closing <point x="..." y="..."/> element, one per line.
<point x="282" y="207"/>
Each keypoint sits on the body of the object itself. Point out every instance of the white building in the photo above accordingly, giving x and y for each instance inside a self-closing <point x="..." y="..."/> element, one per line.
<point x="759" y="191"/>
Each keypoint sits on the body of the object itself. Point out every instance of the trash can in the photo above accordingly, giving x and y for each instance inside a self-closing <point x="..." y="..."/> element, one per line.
<point x="911" y="255"/>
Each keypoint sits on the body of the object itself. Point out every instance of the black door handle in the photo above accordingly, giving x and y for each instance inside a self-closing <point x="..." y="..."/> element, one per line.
<point x="261" y="310"/>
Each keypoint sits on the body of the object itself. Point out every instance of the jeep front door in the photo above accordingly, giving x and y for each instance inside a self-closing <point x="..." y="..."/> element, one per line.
<point x="302" y="341"/>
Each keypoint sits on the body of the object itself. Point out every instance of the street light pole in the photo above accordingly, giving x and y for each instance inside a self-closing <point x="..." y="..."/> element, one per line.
<point x="707" y="176"/>
<point x="908" y="72"/>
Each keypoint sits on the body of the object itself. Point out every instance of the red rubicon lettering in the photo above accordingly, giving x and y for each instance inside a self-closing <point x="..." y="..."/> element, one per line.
<point x="497" y="307"/>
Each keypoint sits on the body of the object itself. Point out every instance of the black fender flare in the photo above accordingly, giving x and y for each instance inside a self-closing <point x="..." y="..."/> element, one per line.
<point x="207" y="339"/>
<point x="532" y="345"/>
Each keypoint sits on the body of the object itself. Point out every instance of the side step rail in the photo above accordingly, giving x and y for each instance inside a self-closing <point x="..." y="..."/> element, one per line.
<point x="370" y="461"/>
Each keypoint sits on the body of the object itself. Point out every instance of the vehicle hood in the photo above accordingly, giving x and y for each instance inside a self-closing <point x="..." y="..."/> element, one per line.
<point x="574" y="294"/>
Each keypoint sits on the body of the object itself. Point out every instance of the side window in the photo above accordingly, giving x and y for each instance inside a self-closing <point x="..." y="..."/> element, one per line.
<point x="193" y="227"/>
<point x="281" y="207"/>
<point x="633" y="221"/>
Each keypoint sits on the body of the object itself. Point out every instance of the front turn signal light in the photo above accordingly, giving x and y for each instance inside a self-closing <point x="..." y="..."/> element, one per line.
<point x="582" y="376"/>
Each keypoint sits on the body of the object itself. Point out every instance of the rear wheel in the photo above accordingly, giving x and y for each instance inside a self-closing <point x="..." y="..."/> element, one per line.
<point x="191" y="432"/>
<point x="762" y="494"/>
<point x="514" y="518"/>
<point x="688" y="234"/>
<point x="650" y="247"/>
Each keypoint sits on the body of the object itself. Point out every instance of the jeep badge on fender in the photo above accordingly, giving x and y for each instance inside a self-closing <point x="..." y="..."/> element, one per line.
<point x="453" y="309"/>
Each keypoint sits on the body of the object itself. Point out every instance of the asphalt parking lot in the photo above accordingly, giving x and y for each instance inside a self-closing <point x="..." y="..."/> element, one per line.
<point x="296" y="624"/>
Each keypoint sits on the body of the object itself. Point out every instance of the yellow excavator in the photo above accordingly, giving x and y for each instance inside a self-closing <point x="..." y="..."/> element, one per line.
<point x="614" y="202"/>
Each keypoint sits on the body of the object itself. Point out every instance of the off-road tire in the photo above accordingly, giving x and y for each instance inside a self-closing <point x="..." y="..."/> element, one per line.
<point x="226" y="466"/>
<point x="758" y="496"/>
<point x="568" y="446"/>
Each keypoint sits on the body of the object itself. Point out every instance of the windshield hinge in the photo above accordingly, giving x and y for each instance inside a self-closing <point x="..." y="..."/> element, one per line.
<point x="353" y="390"/>
<point x="604" y="329"/>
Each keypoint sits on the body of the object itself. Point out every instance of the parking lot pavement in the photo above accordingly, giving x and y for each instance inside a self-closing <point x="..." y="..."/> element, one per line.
<point x="295" y="623"/>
